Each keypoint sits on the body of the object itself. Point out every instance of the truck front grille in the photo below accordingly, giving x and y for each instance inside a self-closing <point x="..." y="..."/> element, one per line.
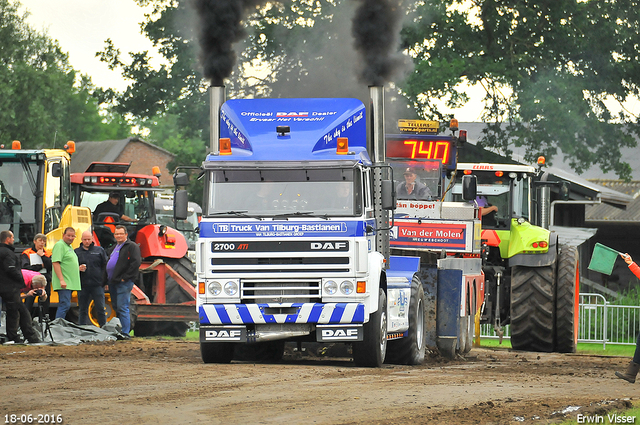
<point x="280" y="291"/>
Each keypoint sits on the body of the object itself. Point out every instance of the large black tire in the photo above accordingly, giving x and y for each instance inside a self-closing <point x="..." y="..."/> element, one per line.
<point x="186" y="269"/>
<point x="174" y="295"/>
<point x="532" y="308"/>
<point x="372" y="350"/>
<point x="410" y="350"/>
<point x="263" y="352"/>
<point x="216" y="352"/>
<point x="566" y="308"/>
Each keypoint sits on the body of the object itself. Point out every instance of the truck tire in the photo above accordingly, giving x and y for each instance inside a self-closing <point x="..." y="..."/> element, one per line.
<point x="216" y="352"/>
<point x="410" y="350"/>
<point x="567" y="307"/>
<point x="372" y="350"/>
<point x="532" y="312"/>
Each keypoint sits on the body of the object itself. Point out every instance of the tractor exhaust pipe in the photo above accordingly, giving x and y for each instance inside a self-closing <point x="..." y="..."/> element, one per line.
<point x="216" y="99"/>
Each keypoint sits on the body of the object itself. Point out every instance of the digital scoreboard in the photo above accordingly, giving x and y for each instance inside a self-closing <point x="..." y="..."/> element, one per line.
<point x="427" y="147"/>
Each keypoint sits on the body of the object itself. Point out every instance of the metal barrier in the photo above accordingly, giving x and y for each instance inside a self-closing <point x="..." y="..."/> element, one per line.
<point x="599" y="322"/>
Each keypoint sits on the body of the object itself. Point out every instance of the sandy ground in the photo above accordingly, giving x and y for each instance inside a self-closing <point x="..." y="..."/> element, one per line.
<point x="154" y="381"/>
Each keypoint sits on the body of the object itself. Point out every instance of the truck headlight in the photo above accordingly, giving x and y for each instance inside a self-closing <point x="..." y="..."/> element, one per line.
<point x="330" y="287"/>
<point x="215" y="288"/>
<point x="231" y="288"/>
<point x="346" y="287"/>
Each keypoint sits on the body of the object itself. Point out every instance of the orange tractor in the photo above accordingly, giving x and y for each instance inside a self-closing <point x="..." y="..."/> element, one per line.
<point x="163" y="300"/>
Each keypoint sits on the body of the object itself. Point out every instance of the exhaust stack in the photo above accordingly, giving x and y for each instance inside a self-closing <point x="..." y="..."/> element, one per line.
<point x="378" y="155"/>
<point x="216" y="98"/>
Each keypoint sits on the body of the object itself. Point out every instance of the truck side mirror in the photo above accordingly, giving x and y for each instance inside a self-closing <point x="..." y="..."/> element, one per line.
<point x="180" y="179"/>
<point x="56" y="169"/>
<point x="180" y="205"/>
<point x="469" y="188"/>
<point x="388" y="195"/>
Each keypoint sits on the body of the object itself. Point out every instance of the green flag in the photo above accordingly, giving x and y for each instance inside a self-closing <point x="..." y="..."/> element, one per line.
<point x="603" y="259"/>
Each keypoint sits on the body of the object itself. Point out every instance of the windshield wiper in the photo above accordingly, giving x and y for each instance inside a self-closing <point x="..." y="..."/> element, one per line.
<point x="237" y="214"/>
<point x="300" y="214"/>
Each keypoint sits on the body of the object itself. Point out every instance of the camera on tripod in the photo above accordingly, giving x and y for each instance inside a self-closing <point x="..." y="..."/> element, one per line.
<point x="38" y="292"/>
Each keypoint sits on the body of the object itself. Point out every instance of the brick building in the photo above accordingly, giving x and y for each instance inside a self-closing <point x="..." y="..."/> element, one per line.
<point x="142" y="155"/>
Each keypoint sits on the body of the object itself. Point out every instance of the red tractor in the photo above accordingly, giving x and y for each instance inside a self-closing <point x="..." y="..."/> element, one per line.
<point x="163" y="300"/>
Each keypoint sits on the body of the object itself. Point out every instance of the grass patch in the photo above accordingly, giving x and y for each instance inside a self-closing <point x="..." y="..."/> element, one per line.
<point x="583" y="348"/>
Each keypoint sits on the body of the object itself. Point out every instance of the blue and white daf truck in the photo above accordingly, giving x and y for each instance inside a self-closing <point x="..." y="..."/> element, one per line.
<point x="294" y="239"/>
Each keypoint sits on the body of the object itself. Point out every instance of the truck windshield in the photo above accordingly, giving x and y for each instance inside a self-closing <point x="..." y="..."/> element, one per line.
<point x="419" y="180"/>
<point x="18" y="181"/>
<point x="272" y="192"/>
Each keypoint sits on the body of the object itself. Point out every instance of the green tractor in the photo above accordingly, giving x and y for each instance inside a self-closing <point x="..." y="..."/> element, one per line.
<point x="531" y="281"/>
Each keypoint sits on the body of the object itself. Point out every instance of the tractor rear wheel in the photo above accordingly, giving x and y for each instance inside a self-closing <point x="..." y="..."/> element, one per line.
<point x="532" y="308"/>
<point x="566" y="326"/>
<point x="410" y="350"/>
<point x="372" y="350"/>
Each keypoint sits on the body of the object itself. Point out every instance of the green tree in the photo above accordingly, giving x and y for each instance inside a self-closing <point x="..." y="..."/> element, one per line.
<point x="42" y="100"/>
<point x="547" y="68"/>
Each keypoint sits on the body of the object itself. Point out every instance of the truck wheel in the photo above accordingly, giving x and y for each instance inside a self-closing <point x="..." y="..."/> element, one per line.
<point x="372" y="350"/>
<point x="410" y="350"/>
<point x="216" y="352"/>
<point x="567" y="307"/>
<point x="532" y="313"/>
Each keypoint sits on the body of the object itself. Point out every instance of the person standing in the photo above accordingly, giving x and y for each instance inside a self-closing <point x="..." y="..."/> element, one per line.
<point x="11" y="283"/>
<point x="122" y="271"/>
<point x="93" y="261"/>
<point x="634" y="366"/>
<point x="66" y="276"/>
<point x="38" y="259"/>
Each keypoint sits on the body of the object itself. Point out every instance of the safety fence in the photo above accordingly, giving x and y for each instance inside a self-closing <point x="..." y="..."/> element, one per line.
<point x="599" y="322"/>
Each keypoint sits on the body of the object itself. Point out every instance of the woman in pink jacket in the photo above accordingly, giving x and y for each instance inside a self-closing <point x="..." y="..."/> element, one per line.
<point x="634" y="366"/>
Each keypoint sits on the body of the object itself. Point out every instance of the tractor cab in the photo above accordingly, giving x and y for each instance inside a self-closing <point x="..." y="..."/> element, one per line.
<point x="502" y="186"/>
<point x="115" y="197"/>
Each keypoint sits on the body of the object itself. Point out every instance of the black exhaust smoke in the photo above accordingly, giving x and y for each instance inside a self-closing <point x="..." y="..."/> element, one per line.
<point x="220" y="27"/>
<point x="376" y="32"/>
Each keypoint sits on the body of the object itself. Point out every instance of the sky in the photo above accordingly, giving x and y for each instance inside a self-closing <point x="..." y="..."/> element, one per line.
<point x="82" y="26"/>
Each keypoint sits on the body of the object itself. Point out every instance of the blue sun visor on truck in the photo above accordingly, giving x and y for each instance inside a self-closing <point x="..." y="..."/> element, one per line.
<point x="292" y="129"/>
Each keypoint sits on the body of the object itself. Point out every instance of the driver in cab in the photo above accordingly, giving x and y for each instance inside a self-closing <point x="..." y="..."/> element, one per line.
<point x="410" y="188"/>
<point x="111" y="205"/>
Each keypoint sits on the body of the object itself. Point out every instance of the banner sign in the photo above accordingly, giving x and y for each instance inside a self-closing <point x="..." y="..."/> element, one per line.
<point x="434" y="235"/>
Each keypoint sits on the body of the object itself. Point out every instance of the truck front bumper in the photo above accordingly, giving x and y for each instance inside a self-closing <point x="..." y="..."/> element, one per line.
<point x="282" y="313"/>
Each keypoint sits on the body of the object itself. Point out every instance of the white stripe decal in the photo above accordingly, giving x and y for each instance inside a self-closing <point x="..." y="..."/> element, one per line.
<point x="325" y="316"/>
<point x="305" y="312"/>
<point x="349" y="312"/>
<point x="255" y="313"/>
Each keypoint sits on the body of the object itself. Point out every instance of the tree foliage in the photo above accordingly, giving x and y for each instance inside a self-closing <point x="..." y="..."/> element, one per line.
<point x="551" y="70"/>
<point x="554" y="72"/>
<point x="42" y="100"/>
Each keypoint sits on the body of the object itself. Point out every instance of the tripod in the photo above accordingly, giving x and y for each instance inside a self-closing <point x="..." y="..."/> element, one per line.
<point x="44" y="318"/>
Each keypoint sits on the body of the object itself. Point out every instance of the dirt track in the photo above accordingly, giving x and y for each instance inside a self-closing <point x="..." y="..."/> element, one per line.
<point x="149" y="381"/>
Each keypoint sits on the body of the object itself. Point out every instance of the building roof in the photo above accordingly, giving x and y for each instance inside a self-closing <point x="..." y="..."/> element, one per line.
<point x="606" y="214"/>
<point x="581" y="188"/>
<point x="629" y="155"/>
<point x="104" y="151"/>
